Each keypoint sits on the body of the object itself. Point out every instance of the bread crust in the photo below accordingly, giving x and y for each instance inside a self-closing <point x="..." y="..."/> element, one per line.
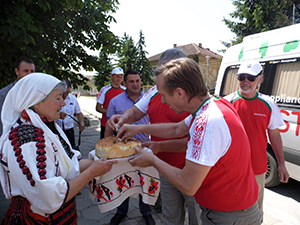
<point x="111" y="148"/>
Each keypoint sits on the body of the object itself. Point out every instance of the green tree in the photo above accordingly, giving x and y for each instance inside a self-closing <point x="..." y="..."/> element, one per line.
<point x="254" y="16"/>
<point x="133" y="56"/>
<point x="105" y="68"/>
<point x="56" y="35"/>
<point x="144" y="66"/>
<point x="128" y="54"/>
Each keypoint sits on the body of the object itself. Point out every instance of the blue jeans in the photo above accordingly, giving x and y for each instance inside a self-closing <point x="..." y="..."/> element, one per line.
<point x="145" y="209"/>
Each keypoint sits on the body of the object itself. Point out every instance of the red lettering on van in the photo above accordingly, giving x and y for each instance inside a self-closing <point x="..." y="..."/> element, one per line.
<point x="286" y="122"/>
<point x="298" y="121"/>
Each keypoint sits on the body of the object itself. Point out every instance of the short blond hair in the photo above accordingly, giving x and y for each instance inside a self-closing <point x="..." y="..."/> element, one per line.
<point x="184" y="73"/>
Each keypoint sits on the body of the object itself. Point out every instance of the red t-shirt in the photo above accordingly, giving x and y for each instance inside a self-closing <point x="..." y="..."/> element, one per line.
<point x="257" y="114"/>
<point x="217" y="139"/>
<point x="105" y="95"/>
<point x="161" y="113"/>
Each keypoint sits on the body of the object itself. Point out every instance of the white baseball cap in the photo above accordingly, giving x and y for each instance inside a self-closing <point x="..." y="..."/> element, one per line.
<point x="250" y="68"/>
<point x="117" y="70"/>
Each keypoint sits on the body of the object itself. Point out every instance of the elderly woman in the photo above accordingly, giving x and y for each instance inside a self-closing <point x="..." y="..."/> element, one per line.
<point x="39" y="170"/>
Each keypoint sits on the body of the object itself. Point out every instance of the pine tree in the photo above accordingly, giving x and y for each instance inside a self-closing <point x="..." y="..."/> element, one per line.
<point x="133" y="56"/>
<point x="145" y="68"/>
<point x="128" y="54"/>
<point x="103" y="78"/>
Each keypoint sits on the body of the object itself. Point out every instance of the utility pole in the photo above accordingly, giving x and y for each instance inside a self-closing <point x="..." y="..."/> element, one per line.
<point x="207" y="65"/>
<point x="293" y="14"/>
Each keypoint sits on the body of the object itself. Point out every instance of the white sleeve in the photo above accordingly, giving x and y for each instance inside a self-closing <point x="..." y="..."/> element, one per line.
<point x="143" y="103"/>
<point x="230" y="97"/>
<point x="76" y="105"/>
<point x="47" y="195"/>
<point x="188" y="120"/>
<point x="101" y="97"/>
<point x="210" y="138"/>
<point x="276" y="119"/>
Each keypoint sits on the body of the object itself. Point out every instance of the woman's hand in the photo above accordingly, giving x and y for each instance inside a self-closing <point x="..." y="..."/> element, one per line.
<point x="101" y="167"/>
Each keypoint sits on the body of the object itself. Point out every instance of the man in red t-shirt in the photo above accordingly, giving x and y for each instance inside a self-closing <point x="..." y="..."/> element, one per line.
<point x="259" y="113"/>
<point x="171" y="151"/>
<point x="217" y="171"/>
<point x="107" y="93"/>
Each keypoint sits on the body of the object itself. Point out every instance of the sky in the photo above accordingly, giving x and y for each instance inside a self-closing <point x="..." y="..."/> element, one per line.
<point x="168" y="22"/>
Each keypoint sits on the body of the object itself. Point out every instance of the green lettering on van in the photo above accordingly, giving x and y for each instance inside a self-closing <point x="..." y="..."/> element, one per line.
<point x="241" y="53"/>
<point x="291" y="45"/>
<point x="263" y="49"/>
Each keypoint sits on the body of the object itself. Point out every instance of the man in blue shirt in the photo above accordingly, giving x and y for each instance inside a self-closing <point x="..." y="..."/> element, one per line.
<point x="118" y="105"/>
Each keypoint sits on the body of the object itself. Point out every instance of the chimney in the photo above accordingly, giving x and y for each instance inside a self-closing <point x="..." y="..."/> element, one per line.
<point x="174" y="45"/>
<point x="200" y="45"/>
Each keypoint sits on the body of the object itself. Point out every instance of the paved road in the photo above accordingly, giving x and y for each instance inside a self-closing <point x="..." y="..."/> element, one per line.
<point x="283" y="202"/>
<point x="281" y="206"/>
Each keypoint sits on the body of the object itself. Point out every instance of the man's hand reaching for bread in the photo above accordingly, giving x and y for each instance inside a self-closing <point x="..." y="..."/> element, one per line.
<point x="127" y="130"/>
<point x="115" y="122"/>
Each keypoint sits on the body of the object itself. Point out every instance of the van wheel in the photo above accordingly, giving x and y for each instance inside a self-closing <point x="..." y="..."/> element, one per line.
<point x="272" y="178"/>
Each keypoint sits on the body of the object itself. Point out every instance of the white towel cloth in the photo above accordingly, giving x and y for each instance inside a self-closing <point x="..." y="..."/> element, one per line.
<point x="123" y="181"/>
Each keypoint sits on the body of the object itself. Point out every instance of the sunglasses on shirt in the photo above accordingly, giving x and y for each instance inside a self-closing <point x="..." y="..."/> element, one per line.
<point x="242" y="77"/>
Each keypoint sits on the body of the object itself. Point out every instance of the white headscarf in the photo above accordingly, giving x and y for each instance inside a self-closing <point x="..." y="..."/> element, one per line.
<point x="27" y="92"/>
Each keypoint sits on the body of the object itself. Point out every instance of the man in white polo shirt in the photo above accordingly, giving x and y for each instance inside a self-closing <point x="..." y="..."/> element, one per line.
<point x="72" y="108"/>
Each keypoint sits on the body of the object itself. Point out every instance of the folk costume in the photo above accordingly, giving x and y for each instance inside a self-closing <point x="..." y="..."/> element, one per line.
<point x="37" y="160"/>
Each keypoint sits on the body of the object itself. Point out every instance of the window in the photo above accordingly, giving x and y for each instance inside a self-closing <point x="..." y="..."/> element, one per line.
<point x="286" y="87"/>
<point x="231" y="82"/>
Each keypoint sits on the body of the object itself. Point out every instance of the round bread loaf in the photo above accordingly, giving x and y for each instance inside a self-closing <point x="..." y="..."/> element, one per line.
<point x="112" y="148"/>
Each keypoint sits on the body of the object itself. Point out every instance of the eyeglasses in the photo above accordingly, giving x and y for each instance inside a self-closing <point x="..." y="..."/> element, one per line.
<point x="242" y="77"/>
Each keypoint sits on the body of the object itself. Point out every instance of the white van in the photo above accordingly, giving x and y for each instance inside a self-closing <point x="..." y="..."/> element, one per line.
<point x="278" y="51"/>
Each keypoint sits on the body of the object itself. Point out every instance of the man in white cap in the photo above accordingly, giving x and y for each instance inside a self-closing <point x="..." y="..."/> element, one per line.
<point x="107" y="93"/>
<point x="259" y="113"/>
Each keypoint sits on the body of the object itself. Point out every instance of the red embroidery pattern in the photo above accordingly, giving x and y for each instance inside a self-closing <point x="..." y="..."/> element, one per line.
<point x="199" y="131"/>
<point x="142" y="182"/>
<point x="121" y="183"/>
<point x="153" y="186"/>
<point x="26" y="117"/>
<point x="16" y="143"/>
<point x="101" y="190"/>
<point x="130" y="181"/>
<point x="41" y="158"/>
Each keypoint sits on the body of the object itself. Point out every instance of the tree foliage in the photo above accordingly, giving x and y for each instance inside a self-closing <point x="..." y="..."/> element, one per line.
<point x="133" y="56"/>
<point x="105" y="68"/>
<point x="56" y="36"/>
<point x="127" y="54"/>
<point x="254" y="16"/>
<point x="144" y="65"/>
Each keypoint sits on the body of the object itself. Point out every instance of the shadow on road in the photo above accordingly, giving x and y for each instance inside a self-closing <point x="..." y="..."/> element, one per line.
<point x="291" y="189"/>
